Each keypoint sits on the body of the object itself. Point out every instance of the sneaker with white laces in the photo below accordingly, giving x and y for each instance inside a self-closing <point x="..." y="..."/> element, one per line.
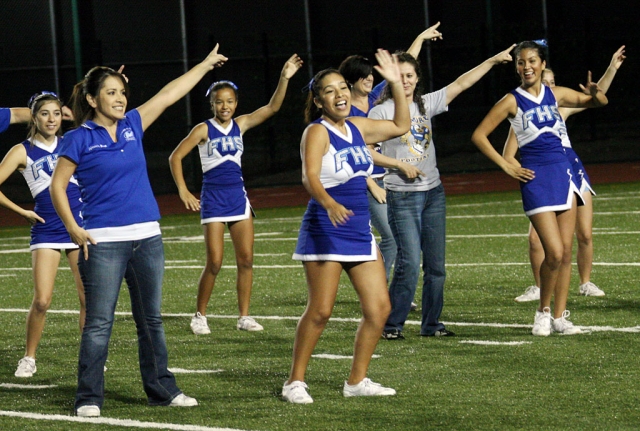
<point x="532" y="293"/>
<point x="90" y="411"/>
<point x="26" y="367"/>
<point x="590" y="289"/>
<point x="542" y="323"/>
<point x="199" y="325"/>
<point x="366" y="388"/>
<point x="183" y="400"/>
<point x="563" y="326"/>
<point x="296" y="393"/>
<point x="246" y="323"/>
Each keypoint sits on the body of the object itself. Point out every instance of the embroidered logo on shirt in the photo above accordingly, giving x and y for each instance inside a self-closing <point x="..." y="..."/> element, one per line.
<point x="128" y="135"/>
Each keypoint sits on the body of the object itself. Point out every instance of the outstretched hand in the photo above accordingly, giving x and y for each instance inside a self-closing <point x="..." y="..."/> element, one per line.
<point x="431" y="33"/>
<point x="123" y="75"/>
<point x="387" y="66"/>
<point x="618" y="58"/>
<point x="504" y="56"/>
<point x="293" y="64"/>
<point x="590" y="88"/>
<point x="214" y="59"/>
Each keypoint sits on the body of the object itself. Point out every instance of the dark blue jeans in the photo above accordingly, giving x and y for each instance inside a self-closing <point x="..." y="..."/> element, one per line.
<point x="141" y="264"/>
<point x="418" y="220"/>
<point x="380" y="221"/>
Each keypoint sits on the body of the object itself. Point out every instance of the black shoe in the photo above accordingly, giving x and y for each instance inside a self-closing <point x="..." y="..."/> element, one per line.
<point x="392" y="334"/>
<point x="440" y="333"/>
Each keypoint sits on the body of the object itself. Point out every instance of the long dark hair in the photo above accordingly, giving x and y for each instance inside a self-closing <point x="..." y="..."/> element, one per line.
<point x="530" y="44"/>
<point x="311" y="111"/>
<point x="91" y="85"/>
<point x="404" y="57"/>
<point x="35" y="103"/>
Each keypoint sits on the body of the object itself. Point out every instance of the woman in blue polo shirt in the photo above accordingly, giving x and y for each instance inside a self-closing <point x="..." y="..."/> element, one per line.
<point x="120" y="237"/>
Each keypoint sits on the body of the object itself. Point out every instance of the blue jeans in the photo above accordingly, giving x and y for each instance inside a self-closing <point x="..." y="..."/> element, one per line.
<point x="418" y="220"/>
<point x="141" y="263"/>
<point x="379" y="220"/>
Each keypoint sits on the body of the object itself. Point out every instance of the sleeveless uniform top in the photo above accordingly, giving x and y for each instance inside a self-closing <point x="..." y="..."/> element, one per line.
<point x="378" y="171"/>
<point x="5" y="119"/>
<point x="223" y="197"/>
<point x="41" y="160"/>
<point x="539" y="128"/>
<point x="343" y="174"/>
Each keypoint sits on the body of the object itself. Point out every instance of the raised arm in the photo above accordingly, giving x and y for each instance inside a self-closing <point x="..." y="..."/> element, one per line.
<point x="246" y="122"/>
<point x="178" y="88"/>
<point x="591" y="97"/>
<point x="468" y="79"/>
<point x="314" y="144"/>
<point x="15" y="159"/>
<point x="58" y="189"/>
<point x="20" y="115"/>
<point x="197" y="135"/>
<point x="431" y="33"/>
<point x="374" y="131"/>
<point x="605" y="81"/>
<point x="504" y="108"/>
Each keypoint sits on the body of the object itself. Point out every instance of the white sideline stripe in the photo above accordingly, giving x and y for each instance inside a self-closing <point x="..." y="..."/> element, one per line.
<point x="330" y="356"/>
<point x="184" y="371"/>
<point x="495" y="343"/>
<point x="521" y="215"/>
<point x="346" y="319"/>
<point x="17" y="386"/>
<point x="298" y="266"/>
<point x="113" y="422"/>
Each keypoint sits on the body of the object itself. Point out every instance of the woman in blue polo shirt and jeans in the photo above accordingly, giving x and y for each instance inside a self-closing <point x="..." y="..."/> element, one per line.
<point x="120" y="237"/>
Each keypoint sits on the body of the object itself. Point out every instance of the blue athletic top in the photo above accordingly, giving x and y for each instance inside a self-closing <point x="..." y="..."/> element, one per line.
<point x="112" y="176"/>
<point x="221" y="155"/>
<point x="5" y="119"/>
<point x="538" y="127"/>
<point x="378" y="171"/>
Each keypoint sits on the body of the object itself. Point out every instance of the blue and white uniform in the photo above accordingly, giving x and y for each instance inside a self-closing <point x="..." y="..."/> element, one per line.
<point x="378" y="171"/>
<point x="112" y="176"/>
<point x="345" y="168"/>
<point x="223" y="197"/>
<point x="584" y="183"/>
<point x="539" y="128"/>
<point x="5" y="119"/>
<point x="41" y="160"/>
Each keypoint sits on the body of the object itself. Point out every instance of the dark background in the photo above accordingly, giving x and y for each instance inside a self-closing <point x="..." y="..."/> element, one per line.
<point x="259" y="35"/>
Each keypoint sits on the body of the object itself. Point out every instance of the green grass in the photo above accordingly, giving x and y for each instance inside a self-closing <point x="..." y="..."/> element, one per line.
<point x="580" y="382"/>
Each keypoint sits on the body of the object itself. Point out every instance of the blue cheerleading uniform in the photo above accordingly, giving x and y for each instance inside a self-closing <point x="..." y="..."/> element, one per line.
<point x="5" y="119"/>
<point x="41" y="160"/>
<point x="584" y="183"/>
<point x="223" y="197"/>
<point x="539" y="129"/>
<point x="345" y="168"/>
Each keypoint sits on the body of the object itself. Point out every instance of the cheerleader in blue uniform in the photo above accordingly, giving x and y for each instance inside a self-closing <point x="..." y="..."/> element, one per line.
<point x="549" y="188"/>
<point x="223" y="199"/>
<point x="336" y="234"/>
<point x="35" y="159"/>
<point x="584" y="218"/>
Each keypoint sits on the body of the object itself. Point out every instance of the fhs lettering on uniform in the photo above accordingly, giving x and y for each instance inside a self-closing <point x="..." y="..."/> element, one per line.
<point x="225" y="144"/>
<point x="354" y="157"/>
<point x="39" y="165"/>
<point x="542" y="113"/>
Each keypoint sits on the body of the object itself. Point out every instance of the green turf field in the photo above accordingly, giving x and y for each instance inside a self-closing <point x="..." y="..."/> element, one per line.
<point x="511" y="381"/>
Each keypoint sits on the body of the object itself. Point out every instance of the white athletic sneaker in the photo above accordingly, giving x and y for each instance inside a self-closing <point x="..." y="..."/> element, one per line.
<point x="26" y="367"/>
<point x="563" y="326"/>
<point x="199" y="324"/>
<point x="183" y="401"/>
<point x="296" y="393"/>
<point x="542" y="323"/>
<point x="590" y="289"/>
<point x="246" y="323"/>
<point x="366" y="388"/>
<point x="89" y="411"/>
<point x="531" y="294"/>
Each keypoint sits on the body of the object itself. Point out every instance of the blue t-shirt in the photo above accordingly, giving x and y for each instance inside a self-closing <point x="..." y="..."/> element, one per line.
<point x="112" y="176"/>
<point x="5" y="119"/>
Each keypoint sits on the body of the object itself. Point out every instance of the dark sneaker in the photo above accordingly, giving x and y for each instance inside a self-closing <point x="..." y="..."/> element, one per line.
<point x="392" y="334"/>
<point x="440" y="333"/>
